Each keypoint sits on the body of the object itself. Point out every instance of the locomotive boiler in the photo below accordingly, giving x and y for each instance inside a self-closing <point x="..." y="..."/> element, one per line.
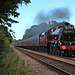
<point x="58" y="41"/>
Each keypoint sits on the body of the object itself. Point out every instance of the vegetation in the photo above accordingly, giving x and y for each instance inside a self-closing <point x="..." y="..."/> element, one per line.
<point x="9" y="8"/>
<point x="15" y="41"/>
<point x="5" y="40"/>
<point x="13" y="64"/>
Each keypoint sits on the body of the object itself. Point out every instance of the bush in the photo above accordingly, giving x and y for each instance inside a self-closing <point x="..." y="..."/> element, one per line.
<point x="4" y="47"/>
<point x="12" y="64"/>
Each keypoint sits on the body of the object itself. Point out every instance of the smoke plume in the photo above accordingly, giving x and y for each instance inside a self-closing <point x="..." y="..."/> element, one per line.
<point x="57" y="14"/>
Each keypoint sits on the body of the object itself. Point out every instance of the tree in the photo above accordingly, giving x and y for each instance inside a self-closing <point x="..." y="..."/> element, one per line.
<point x="8" y="8"/>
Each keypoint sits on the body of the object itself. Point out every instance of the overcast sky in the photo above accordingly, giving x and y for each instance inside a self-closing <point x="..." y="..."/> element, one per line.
<point x="28" y="14"/>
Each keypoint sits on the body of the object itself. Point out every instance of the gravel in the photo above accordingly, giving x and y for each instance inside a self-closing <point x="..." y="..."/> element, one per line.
<point x="36" y="68"/>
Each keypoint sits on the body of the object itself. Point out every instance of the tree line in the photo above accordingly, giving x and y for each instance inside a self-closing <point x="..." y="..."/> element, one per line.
<point x="8" y="8"/>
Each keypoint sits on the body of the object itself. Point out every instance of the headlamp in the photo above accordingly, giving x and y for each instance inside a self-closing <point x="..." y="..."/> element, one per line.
<point x="63" y="47"/>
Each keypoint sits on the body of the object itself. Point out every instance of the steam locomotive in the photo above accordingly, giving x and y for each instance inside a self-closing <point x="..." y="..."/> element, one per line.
<point x="58" y="41"/>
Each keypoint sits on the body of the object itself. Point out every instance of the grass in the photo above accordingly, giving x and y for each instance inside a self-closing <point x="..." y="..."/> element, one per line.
<point x="13" y="64"/>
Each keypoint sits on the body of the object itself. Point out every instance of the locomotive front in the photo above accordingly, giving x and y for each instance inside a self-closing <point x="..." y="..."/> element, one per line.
<point x="67" y="40"/>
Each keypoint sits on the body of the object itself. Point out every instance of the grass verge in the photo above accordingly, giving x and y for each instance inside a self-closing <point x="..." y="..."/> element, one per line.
<point x="13" y="64"/>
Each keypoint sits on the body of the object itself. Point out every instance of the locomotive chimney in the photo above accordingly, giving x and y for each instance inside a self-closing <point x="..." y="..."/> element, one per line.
<point x="66" y="23"/>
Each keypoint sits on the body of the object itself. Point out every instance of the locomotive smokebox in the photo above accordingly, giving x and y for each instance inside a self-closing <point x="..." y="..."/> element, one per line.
<point x="68" y="32"/>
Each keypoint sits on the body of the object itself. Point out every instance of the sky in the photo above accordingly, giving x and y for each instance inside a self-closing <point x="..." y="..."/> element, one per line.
<point x="28" y="13"/>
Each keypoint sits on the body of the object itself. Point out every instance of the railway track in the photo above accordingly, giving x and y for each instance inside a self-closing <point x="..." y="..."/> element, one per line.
<point x="66" y="59"/>
<point x="62" y="67"/>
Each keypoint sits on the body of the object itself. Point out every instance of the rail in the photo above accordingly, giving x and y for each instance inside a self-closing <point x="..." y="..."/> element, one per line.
<point x="49" y="64"/>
